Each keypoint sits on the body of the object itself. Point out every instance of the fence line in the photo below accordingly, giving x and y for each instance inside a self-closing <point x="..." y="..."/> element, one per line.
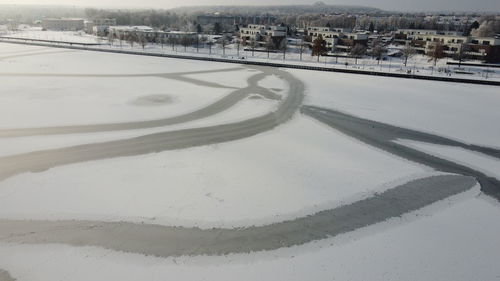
<point x="271" y="64"/>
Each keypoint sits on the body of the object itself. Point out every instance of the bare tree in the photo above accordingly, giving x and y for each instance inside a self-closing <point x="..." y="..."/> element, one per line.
<point x="461" y="53"/>
<point x="238" y="44"/>
<point x="210" y="43"/>
<point x="12" y="26"/>
<point x="378" y="51"/>
<point x="436" y="52"/>
<point x="223" y="42"/>
<point x="172" y="40"/>
<point x="160" y="40"/>
<point x="142" y="40"/>
<point x="270" y="45"/>
<point x="284" y="46"/>
<point x="302" y="48"/>
<point x="253" y="44"/>
<point x="408" y="52"/>
<point x="185" y="42"/>
<point x="121" y="38"/>
<point x="111" y="38"/>
<point x="132" y="38"/>
<point x="203" y="40"/>
<point x="197" y="40"/>
<point x="358" y="51"/>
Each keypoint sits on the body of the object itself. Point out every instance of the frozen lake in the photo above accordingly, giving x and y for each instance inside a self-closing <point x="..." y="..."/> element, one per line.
<point x="128" y="167"/>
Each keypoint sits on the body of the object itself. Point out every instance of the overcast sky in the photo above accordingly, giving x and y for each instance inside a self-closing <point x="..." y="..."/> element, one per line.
<point x="401" y="5"/>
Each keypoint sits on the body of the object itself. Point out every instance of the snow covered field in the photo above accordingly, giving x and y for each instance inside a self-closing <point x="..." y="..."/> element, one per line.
<point x="296" y="169"/>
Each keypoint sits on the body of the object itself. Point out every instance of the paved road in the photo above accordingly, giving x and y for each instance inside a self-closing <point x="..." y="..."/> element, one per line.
<point x="165" y="241"/>
<point x="43" y="160"/>
<point x="382" y="135"/>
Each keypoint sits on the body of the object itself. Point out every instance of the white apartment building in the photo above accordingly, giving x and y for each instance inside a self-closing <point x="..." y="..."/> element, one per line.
<point x="260" y="33"/>
<point x="149" y="33"/>
<point x="425" y="41"/>
<point x="99" y="26"/>
<point x="338" y="38"/>
<point x="413" y="32"/>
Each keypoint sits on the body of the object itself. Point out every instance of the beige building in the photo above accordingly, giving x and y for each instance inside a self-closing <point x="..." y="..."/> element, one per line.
<point x="424" y="41"/>
<point x="99" y="26"/>
<point x="341" y="39"/>
<point x="261" y="33"/>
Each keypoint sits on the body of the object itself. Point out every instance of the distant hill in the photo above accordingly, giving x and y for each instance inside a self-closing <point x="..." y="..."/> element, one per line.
<point x="317" y="8"/>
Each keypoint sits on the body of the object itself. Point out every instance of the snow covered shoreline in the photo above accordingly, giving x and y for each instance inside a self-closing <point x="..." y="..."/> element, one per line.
<point x="406" y="73"/>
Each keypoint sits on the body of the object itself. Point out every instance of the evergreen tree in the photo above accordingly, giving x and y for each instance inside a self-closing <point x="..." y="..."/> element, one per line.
<point x="371" y="28"/>
<point x="319" y="47"/>
<point x="217" y="28"/>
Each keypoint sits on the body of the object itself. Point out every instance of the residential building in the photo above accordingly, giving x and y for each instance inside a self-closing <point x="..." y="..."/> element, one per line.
<point x="424" y="41"/>
<point x="149" y="33"/>
<point x="124" y="31"/>
<point x="63" y="24"/>
<point x="339" y="39"/>
<point x="212" y="19"/>
<point x="234" y="19"/>
<point x="262" y="33"/>
<point x="99" y="26"/>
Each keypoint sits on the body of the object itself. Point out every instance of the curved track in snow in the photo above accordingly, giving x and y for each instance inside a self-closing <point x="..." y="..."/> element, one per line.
<point x="174" y="241"/>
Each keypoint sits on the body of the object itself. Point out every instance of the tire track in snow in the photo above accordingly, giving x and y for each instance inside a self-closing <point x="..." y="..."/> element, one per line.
<point x="382" y="135"/>
<point x="167" y="241"/>
<point x="46" y="159"/>
<point x="207" y="111"/>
